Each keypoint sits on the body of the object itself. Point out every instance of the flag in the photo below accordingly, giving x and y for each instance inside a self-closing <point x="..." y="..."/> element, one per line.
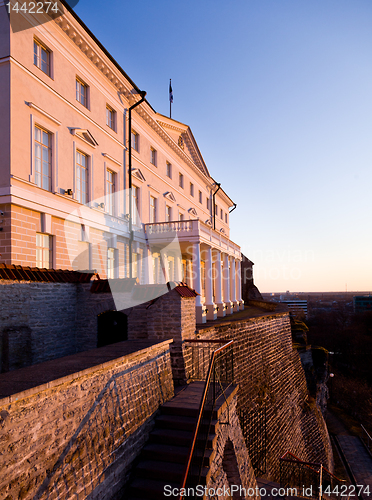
<point x="170" y="92"/>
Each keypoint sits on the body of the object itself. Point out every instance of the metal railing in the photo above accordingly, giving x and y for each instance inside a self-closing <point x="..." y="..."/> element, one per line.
<point x="219" y="377"/>
<point x="309" y="479"/>
<point x="366" y="438"/>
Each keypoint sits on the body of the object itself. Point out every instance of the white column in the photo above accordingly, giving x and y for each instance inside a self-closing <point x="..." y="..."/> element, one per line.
<point x="212" y="311"/>
<point x="177" y="267"/>
<point x="148" y="266"/>
<point x="226" y="284"/>
<point x="189" y="273"/>
<point x="239" y="285"/>
<point x="233" y="285"/>
<point x="196" y="264"/>
<point x="218" y="285"/>
<point x="164" y="267"/>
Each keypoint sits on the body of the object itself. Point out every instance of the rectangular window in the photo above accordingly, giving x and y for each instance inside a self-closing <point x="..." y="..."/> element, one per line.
<point x="180" y="216"/>
<point x="152" y="209"/>
<point x="82" y="92"/>
<point x="200" y="197"/>
<point x="207" y="203"/>
<point x="81" y="177"/>
<point x="41" y="57"/>
<point x="153" y="156"/>
<point x="221" y="214"/>
<point x="169" y="170"/>
<point x="191" y="189"/>
<point x="110" y="117"/>
<point x="43" y="159"/>
<point x="226" y="218"/>
<point x="181" y="180"/>
<point x="111" y="263"/>
<point x="43" y="251"/>
<point x="134" y="139"/>
<point x="135" y="204"/>
<point x="168" y="213"/>
<point x="110" y="192"/>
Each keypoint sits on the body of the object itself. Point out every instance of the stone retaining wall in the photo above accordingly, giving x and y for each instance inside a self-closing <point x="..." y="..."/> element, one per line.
<point x="77" y="437"/>
<point x="270" y="376"/>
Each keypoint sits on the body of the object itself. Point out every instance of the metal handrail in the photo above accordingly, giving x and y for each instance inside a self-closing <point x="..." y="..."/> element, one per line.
<point x="309" y="464"/>
<point x="369" y="438"/>
<point x="202" y="405"/>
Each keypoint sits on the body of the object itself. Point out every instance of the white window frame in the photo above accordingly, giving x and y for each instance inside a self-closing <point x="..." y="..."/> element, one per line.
<point x="153" y="156"/>
<point x="50" y="155"/>
<point x="49" y="125"/>
<point x="168" y="213"/>
<point x="110" y="191"/>
<point x="89" y="174"/>
<point x="134" y="137"/>
<point x="136" y="205"/>
<point x="41" y="46"/>
<point x="78" y="95"/>
<point x="169" y="169"/>
<point x="153" y="209"/>
<point x="181" y="180"/>
<point x="111" y="122"/>
<point x="50" y="251"/>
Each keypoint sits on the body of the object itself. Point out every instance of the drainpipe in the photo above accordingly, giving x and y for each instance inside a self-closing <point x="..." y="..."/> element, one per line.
<point x="143" y="95"/>
<point x="214" y="204"/>
<point x="234" y="207"/>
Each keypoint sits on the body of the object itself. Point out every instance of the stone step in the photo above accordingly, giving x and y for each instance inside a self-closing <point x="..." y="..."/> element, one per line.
<point x="149" y="489"/>
<point x="167" y="471"/>
<point x="172" y="453"/>
<point x="177" y="437"/>
<point x="182" y="423"/>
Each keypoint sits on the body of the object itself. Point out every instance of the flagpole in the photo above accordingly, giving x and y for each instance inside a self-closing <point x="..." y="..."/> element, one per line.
<point x="170" y="98"/>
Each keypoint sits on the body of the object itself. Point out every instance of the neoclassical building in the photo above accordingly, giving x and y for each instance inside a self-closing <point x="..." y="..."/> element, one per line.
<point x="68" y="199"/>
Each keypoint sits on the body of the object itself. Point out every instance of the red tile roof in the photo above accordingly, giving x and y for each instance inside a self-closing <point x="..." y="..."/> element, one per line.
<point x="24" y="273"/>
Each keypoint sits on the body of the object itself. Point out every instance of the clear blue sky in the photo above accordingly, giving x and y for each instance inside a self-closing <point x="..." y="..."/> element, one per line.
<point x="278" y="94"/>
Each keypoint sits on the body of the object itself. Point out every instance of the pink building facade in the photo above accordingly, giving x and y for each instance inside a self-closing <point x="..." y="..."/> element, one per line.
<point x="64" y="180"/>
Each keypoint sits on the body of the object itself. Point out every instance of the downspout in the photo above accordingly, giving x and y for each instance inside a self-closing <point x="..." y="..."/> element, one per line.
<point x="234" y="207"/>
<point x="143" y="95"/>
<point x="214" y="204"/>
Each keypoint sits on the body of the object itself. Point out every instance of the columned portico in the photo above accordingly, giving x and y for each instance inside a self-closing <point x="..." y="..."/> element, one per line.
<point x="211" y="307"/>
<point x="200" y="310"/>
<point x="226" y="284"/>
<point x="218" y="285"/>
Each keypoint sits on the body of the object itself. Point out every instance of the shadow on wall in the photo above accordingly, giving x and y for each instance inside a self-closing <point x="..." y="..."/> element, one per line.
<point x="111" y="429"/>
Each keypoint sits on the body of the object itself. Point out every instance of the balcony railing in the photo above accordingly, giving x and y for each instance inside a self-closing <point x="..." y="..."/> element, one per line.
<point x="185" y="226"/>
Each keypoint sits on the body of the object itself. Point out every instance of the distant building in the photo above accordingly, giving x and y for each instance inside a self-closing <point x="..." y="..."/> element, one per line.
<point x="296" y="305"/>
<point x="362" y="303"/>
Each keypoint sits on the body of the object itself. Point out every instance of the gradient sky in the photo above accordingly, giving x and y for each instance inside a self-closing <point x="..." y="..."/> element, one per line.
<point x="278" y="94"/>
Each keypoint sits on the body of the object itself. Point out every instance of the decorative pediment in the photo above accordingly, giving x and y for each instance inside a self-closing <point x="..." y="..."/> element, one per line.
<point x="136" y="172"/>
<point x="208" y="221"/>
<point x="169" y="196"/>
<point x="222" y="230"/>
<point x="85" y="136"/>
<point x="192" y="211"/>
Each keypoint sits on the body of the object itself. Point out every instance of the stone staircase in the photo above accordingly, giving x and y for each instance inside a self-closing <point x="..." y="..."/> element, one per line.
<point x="163" y="459"/>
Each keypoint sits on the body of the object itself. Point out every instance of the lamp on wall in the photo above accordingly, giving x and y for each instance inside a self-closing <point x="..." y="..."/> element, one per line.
<point x="69" y="192"/>
<point x="101" y="205"/>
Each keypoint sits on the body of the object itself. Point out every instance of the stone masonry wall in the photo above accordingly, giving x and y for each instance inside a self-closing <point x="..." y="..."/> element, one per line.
<point x="170" y="316"/>
<point x="37" y="322"/>
<point x="77" y="437"/>
<point x="231" y="464"/>
<point x="270" y="376"/>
